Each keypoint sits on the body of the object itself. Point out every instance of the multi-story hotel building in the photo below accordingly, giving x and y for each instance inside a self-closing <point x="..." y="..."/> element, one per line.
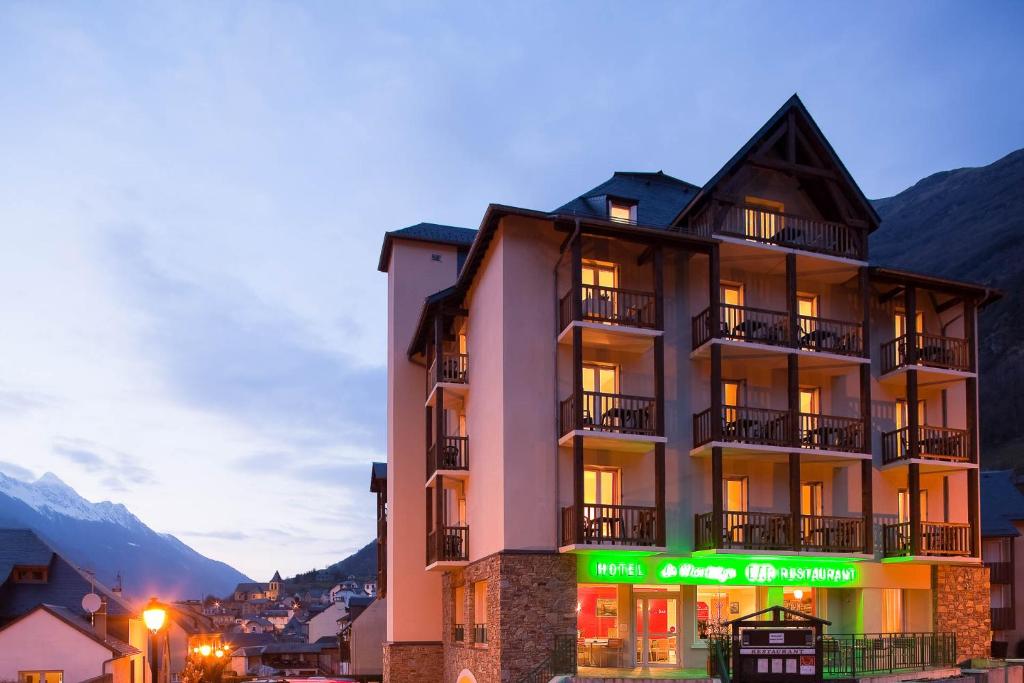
<point x="663" y="406"/>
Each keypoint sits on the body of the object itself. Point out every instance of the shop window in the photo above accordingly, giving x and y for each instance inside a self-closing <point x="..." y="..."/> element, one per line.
<point x="800" y="599"/>
<point x="716" y="606"/>
<point x="597" y="612"/>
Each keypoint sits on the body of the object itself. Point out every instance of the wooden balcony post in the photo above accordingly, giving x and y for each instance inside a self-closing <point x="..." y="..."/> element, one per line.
<point x="440" y="515"/>
<point x="865" y="405"/>
<point x="429" y="433"/>
<point x="974" y="510"/>
<point x="794" y="501"/>
<point x="658" y="268"/>
<point x="440" y="428"/>
<point x="910" y="314"/>
<point x="914" y="491"/>
<point x="793" y="396"/>
<point x="971" y="334"/>
<point x="791" y="303"/>
<point x="577" y="379"/>
<point x="659" y="494"/>
<point x="716" y="392"/>
<point x="717" y="511"/>
<point x="913" y="426"/>
<point x="438" y="347"/>
<point x="576" y="274"/>
<point x="429" y="518"/>
<point x="577" y="488"/>
<point x="867" y="504"/>
<point x="865" y="299"/>
<point x="714" y="293"/>
<point x="971" y="389"/>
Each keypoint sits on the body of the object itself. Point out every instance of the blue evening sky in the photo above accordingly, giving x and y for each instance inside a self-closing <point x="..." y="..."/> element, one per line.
<point x="192" y="198"/>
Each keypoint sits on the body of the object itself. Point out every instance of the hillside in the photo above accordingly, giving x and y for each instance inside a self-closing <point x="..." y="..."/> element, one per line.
<point x="361" y="564"/>
<point x="108" y="540"/>
<point x="969" y="224"/>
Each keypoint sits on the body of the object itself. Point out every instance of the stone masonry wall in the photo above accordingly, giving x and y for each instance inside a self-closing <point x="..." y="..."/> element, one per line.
<point x="961" y="600"/>
<point x="531" y="597"/>
<point x="413" y="662"/>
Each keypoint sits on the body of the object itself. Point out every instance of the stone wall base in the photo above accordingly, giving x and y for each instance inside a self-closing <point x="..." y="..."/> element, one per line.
<point x="413" y="662"/>
<point x="961" y="601"/>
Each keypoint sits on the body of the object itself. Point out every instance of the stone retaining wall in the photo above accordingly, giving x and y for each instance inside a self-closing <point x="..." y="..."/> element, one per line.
<point x="960" y="605"/>
<point x="413" y="662"/>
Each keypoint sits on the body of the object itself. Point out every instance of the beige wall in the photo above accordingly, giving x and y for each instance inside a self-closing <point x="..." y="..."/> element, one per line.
<point x="367" y="639"/>
<point x="412" y="276"/>
<point x="326" y="623"/>
<point x="42" y="642"/>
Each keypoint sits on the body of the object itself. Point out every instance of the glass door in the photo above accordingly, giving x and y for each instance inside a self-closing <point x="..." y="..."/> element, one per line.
<point x="657" y="629"/>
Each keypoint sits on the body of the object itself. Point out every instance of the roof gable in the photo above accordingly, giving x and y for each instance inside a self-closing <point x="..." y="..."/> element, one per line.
<point x="659" y="197"/>
<point x="791" y="142"/>
<point x="425" y="232"/>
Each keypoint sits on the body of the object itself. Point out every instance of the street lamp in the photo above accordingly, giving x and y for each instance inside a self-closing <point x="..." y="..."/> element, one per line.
<point x="154" y="616"/>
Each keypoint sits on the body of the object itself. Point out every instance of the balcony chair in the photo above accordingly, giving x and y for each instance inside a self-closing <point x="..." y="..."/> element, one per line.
<point x="643" y="530"/>
<point x="452" y="546"/>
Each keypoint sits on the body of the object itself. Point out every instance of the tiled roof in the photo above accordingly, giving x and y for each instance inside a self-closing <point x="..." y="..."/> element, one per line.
<point x="659" y="197"/>
<point x="65" y="585"/>
<point x="1002" y="504"/>
<point x="425" y="232"/>
<point x="75" y="620"/>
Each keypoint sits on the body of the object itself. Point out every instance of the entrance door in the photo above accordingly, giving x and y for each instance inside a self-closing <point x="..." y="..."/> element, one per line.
<point x="657" y="629"/>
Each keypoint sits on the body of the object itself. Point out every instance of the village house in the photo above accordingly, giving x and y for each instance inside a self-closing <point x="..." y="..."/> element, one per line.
<point x="1002" y="542"/>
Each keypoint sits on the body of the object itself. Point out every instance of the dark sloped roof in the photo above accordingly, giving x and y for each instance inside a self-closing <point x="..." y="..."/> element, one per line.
<point x="659" y="197"/>
<point x="65" y="585"/>
<point x="251" y="587"/>
<point x="425" y="232"/>
<point x="1002" y="504"/>
<point x="277" y="577"/>
<point x="378" y="475"/>
<point x="360" y="601"/>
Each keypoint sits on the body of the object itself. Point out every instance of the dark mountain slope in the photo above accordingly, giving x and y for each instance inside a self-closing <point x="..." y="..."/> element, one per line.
<point x="969" y="224"/>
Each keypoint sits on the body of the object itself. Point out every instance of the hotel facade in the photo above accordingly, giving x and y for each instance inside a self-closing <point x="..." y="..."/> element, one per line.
<point x="616" y="425"/>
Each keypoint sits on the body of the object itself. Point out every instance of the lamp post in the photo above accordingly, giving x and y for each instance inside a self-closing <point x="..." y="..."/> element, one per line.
<point x="154" y="616"/>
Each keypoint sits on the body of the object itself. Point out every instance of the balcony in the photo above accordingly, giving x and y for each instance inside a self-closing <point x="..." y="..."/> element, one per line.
<point x="611" y="525"/>
<point x="772" y="328"/>
<point x="938" y="539"/>
<point x="774" y="428"/>
<point x="453" y="459"/>
<point x="928" y="351"/>
<point x="480" y="633"/>
<point x="449" y="545"/>
<point x="610" y="306"/>
<point x="756" y="224"/>
<point x="616" y="421"/>
<point x="1002" y="619"/>
<point x="459" y="633"/>
<point x="1000" y="572"/>
<point x="933" y="443"/>
<point x="773" y="531"/>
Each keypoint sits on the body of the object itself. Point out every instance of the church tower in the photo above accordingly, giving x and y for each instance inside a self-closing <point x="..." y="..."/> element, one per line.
<point x="274" y="590"/>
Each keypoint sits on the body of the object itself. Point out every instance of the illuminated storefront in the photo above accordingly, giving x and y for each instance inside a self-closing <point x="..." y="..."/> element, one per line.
<point x="658" y="611"/>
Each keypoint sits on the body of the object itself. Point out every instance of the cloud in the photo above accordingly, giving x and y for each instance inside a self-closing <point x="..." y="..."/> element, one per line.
<point x="226" y="535"/>
<point x="117" y="470"/>
<point x="16" y="471"/>
<point x="14" y="401"/>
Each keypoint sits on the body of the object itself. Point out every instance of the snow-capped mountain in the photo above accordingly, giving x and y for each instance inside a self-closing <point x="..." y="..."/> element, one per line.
<point x="109" y="540"/>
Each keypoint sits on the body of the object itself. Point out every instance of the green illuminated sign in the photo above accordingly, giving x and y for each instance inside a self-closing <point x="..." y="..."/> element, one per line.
<point x="735" y="570"/>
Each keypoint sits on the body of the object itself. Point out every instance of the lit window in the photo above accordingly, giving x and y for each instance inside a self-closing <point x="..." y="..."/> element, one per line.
<point x="800" y="599"/>
<point x="716" y="606"/>
<point x="40" y="676"/>
<point x="763" y="217"/>
<point x="621" y="212"/>
<point x="597" y="611"/>
<point x="892" y="610"/>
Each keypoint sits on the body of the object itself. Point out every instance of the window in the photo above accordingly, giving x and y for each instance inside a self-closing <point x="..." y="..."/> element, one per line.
<point x="40" y="676"/>
<point x="601" y="486"/>
<point x="600" y="273"/>
<point x="901" y="323"/>
<point x="459" y="613"/>
<point x="903" y="419"/>
<point x="810" y="402"/>
<point x="761" y="217"/>
<point x="800" y="599"/>
<point x="718" y="605"/>
<point x="903" y="500"/>
<point x="734" y="498"/>
<point x="30" y="574"/>
<point x="807" y="305"/>
<point x="892" y="610"/>
<point x="462" y="424"/>
<point x="480" y="612"/>
<point x="621" y="211"/>
<point x="810" y="498"/>
<point x="600" y="377"/>
<point x="597" y="611"/>
<point x="731" y="294"/>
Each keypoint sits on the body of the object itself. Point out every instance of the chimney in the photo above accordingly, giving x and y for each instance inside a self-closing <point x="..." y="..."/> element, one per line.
<point x="99" y="619"/>
<point x="117" y="585"/>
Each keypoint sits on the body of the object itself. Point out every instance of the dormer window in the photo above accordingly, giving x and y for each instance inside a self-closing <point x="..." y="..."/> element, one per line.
<point x="621" y="211"/>
<point x="30" y="574"/>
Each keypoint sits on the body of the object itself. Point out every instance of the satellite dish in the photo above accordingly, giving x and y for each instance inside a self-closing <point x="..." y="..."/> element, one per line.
<point x="91" y="603"/>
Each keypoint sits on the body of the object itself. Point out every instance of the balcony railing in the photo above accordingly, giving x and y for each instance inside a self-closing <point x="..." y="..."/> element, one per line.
<point x="611" y="525"/>
<point x="1000" y="572"/>
<point x="933" y="443"/>
<point x="480" y="633"/>
<point x="765" y="326"/>
<point x="611" y="306"/>
<point x="772" y="531"/>
<point x="832" y="534"/>
<point x="763" y="426"/>
<point x="454" y="455"/>
<point x="831" y="432"/>
<point x="450" y="545"/>
<point x="941" y="539"/>
<point x="798" y="232"/>
<point x="1002" y="619"/>
<point x="617" y="413"/>
<point x="851" y="655"/>
<point x="459" y="633"/>
<point x="745" y="530"/>
<point x="454" y="369"/>
<point x="930" y="350"/>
